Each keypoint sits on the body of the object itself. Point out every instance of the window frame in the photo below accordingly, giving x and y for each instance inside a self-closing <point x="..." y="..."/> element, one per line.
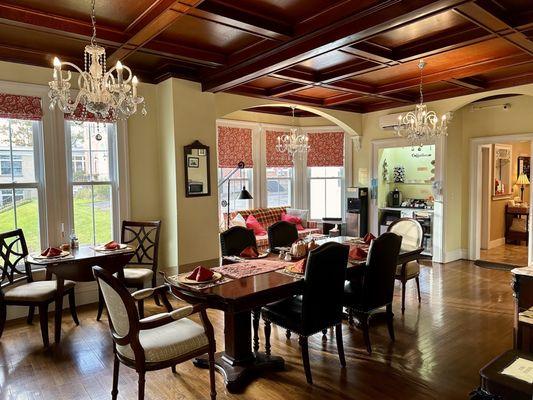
<point x="342" y="179"/>
<point x="290" y="179"/>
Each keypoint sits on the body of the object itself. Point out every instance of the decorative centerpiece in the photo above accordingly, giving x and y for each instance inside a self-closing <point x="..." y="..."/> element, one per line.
<point x="299" y="249"/>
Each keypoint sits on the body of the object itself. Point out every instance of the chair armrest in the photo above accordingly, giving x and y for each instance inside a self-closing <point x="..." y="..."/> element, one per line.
<point x="149" y="292"/>
<point x="157" y="320"/>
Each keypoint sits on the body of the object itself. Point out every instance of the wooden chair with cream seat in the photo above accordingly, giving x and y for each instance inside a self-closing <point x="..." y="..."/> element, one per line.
<point x="18" y="288"/>
<point x="412" y="234"/>
<point x="156" y="342"/>
<point x="142" y="268"/>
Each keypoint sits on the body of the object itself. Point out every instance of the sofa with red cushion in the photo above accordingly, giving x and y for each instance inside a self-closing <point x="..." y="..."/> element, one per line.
<point x="267" y="217"/>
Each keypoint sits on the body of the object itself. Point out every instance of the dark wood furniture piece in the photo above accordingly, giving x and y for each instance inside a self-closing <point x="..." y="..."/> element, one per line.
<point x="281" y="234"/>
<point x="18" y="288"/>
<point x="157" y="342"/>
<point x="144" y="238"/>
<point x="238" y="362"/>
<point x="320" y="305"/>
<point x="374" y="288"/>
<point x="503" y="387"/>
<point x="412" y="235"/>
<point x="510" y="214"/>
<point x="523" y="296"/>
<point x="78" y="269"/>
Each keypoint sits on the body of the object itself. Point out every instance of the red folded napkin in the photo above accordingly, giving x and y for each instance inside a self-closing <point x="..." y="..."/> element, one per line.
<point x="51" y="252"/>
<point x="368" y="238"/>
<point x="200" y="274"/>
<point x="357" y="253"/>
<point x="112" y="245"/>
<point x="299" y="267"/>
<point x="249" y="252"/>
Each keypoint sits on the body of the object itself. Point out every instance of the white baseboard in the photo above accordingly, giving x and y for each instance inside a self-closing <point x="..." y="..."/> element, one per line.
<point x="454" y="255"/>
<point x="496" y="242"/>
<point x="86" y="293"/>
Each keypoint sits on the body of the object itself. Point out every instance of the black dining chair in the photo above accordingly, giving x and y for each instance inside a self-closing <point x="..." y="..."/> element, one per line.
<point x="234" y="240"/>
<point x="281" y="234"/>
<point x="18" y="288"/>
<point x="374" y="289"/>
<point x="320" y="305"/>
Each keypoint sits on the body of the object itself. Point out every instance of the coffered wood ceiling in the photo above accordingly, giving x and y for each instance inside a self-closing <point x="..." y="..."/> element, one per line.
<point x="354" y="55"/>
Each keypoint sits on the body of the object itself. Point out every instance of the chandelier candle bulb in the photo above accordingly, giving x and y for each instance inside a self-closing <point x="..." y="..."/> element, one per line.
<point x="119" y="68"/>
<point x="134" y="83"/>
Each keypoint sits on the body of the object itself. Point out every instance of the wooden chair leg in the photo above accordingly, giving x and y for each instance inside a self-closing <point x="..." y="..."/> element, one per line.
<point x="173" y="369"/>
<point x="31" y="313"/>
<point x="340" y="344"/>
<point x="140" y="305"/>
<point x="267" y="337"/>
<point x="288" y="334"/>
<point x="324" y="335"/>
<point x="100" y="305"/>
<point x="390" y="322"/>
<point x="43" y="318"/>
<point x="256" y="313"/>
<point x="417" y="279"/>
<point x="72" y="306"/>
<point x="366" y="333"/>
<point x="212" y="373"/>
<point x="305" y="357"/>
<point x="3" y="314"/>
<point x="350" y="316"/>
<point x="116" y="367"/>
<point x="403" y="297"/>
<point x="142" y="381"/>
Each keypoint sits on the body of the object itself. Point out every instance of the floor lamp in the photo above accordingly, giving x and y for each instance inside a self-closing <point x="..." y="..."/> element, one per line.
<point x="243" y="195"/>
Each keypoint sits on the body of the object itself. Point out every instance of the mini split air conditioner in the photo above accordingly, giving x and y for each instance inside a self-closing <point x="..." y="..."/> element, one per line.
<point x="388" y="122"/>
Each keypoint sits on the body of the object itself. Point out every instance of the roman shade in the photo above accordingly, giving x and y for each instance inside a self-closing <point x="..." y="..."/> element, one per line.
<point x="20" y="107"/>
<point x="326" y="149"/>
<point x="275" y="158"/>
<point x="234" y="145"/>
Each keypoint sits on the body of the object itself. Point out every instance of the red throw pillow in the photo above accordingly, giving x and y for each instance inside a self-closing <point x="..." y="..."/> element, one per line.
<point x="293" y="220"/>
<point x="253" y="223"/>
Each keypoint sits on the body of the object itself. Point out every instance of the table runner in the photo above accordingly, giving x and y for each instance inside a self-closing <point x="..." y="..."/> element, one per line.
<point x="250" y="268"/>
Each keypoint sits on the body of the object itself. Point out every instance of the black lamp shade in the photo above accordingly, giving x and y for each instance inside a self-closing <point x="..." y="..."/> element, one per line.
<point x="245" y="194"/>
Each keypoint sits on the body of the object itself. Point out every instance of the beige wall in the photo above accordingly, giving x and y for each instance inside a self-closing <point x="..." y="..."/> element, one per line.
<point x="277" y="119"/>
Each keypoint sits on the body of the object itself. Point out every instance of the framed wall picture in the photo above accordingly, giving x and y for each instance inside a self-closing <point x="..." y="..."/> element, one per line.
<point x="194" y="162"/>
<point x="523" y="166"/>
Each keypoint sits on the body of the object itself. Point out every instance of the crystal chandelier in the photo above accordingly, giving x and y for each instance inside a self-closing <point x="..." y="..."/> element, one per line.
<point x="420" y="126"/>
<point x="101" y="93"/>
<point x="293" y="143"/>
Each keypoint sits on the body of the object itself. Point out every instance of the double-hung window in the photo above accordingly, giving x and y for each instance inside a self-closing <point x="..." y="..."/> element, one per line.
<point x="92" y="173"/>
<point x="241" y="178"/>
<point x="279" y="186"/>
<point x="21" y="200"/>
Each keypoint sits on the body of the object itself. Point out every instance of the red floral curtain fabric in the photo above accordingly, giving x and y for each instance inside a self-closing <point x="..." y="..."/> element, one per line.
<point x="273" y="157"/>
<point x="234" y="145"/>
<point x="326" y="149"/>
<point x="78" y="115"/>
<point x="20" y="107"/>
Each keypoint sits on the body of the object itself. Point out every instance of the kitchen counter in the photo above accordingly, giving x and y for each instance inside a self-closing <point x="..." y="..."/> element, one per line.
<point x="411" y="209"/>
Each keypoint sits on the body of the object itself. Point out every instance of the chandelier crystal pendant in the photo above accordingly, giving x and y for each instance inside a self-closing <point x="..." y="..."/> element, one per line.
<point x="294" y="143"/>
<point x="109" y="95"/>
<point x="420" y="126"/>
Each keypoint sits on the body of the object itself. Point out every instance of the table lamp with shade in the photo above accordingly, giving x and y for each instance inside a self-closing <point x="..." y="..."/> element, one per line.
<point x="522" y="181"/>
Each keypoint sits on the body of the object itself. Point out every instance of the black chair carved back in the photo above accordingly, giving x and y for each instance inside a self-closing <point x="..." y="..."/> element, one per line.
<point x="324" y="278"/>
<point x="380" y="271"/>
<point x="13" y="251"/>
<point x="281" y="234"/>
<point x="234" y="240"/>
<point x="144" y="238"/>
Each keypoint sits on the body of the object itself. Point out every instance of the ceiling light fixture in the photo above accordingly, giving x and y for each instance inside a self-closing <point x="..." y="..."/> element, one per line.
<point x="421" y="126"/>
<point x="101" y="93"/>
<point x="294" y="143"/>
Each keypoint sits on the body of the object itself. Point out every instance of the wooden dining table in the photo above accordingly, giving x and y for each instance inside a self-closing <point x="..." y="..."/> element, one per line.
<point x="78" y="267"/>
<point x="238" y="363"/>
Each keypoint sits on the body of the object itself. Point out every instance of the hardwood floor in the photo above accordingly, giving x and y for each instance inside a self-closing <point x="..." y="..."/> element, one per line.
<point x="465" y="320"/>
<point x="506" y="254"/>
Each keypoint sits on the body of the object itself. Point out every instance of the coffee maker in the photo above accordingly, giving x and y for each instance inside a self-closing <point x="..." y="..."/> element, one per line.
<point x="394" y="199"/>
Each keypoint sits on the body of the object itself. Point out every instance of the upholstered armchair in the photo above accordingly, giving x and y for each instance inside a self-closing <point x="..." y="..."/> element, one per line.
<point x="156" y="342"/>
<point x="412" y="234"/>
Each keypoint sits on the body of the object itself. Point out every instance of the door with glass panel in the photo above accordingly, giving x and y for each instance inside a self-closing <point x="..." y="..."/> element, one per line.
<point x="21" y="194"/>
<point x="92" y="173"/>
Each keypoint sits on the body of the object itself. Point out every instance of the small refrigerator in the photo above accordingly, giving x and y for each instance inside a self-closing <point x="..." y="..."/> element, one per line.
<point x="357" y="211"/>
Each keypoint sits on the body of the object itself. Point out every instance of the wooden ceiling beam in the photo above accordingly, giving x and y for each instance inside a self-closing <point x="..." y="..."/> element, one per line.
<point x="296" y="76"/>
<point x="151" y="27"/>
<point x="287" y="88"/>
<point x="469" y="83"/>
<point x="259" y="26"/>
<point x="372" y="52"/>
<point x="354" y="28"/>
<point x="341" y="99"/>
<point x="365" y="89"/>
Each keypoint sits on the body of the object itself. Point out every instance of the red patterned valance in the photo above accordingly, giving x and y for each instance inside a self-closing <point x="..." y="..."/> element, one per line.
<point x="273" y="157"/>
<point x="78" y="115"/>
<point x="20" y="107"/>
<point x="326" y="149"/>
<point x="234" y="145"/>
